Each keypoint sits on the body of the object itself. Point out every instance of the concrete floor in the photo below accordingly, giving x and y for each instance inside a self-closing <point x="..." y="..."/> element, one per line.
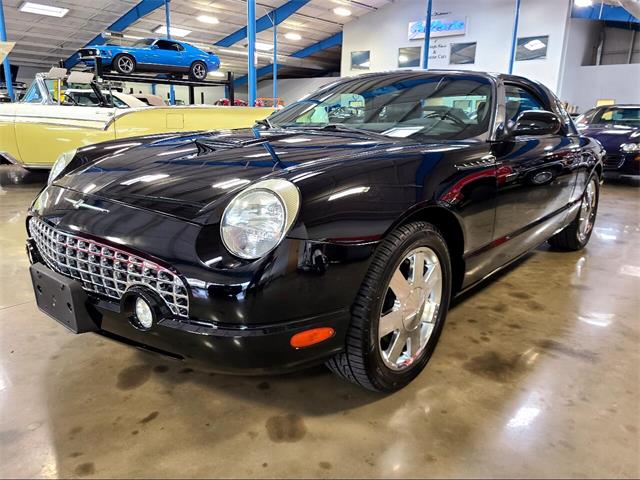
<point x="537" y="375"/>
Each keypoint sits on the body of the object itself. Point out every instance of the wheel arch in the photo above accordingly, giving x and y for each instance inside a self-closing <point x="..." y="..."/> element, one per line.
<point x="451" y="228"/>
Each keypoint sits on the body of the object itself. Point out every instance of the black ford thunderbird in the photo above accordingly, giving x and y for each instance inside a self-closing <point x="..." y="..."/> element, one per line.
<point x="335" y="231"/>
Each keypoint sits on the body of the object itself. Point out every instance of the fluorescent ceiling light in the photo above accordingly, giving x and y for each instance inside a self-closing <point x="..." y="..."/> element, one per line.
<point x="584" y="3"/>
<point x="38" y="9"/>
<point x="534" y="45"/>
<point x="265" y="47"/>
<point x="175" y="32"/>
<point x="342" y="12"/>
<point x="293" y="36"/>
<point x="207" y="19"/>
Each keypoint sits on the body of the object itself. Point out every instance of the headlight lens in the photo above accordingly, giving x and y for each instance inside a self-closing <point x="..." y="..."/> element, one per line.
<point x="256" y="220"/>
<point x="630" y="147"/>
<point x="60" y="164"/>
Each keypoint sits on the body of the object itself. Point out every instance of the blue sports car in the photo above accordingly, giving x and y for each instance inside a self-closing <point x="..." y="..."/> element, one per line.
<point x="153" y="55"/>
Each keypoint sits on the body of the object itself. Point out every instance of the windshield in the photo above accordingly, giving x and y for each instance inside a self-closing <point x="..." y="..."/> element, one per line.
<point x="618" y="115"/>
<point x="432" y="107"/>
<point x="144" y="42"/>
<point x="88" y="98"/>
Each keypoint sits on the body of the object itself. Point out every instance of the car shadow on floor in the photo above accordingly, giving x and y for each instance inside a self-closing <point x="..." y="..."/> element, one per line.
<point x="15" y="175"/>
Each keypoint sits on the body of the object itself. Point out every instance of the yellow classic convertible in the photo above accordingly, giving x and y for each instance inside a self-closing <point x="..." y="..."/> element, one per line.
<point x="47" y="122"/>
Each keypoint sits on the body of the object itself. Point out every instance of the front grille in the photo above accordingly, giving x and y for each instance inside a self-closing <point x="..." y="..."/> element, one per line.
<point x="613" y="161"/>
<point x="104" y="269"/>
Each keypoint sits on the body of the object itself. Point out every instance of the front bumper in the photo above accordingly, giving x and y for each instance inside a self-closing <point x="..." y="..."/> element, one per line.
<point x="240" y="319"/>
<point x="622" y="165"/>
<point x="229" y="349"/>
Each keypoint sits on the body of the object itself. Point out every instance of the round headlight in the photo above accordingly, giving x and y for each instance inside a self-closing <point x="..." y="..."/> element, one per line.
<point x="256" y="221"/>
<point x="630" y="147"/>
<point x="60" y="164"/>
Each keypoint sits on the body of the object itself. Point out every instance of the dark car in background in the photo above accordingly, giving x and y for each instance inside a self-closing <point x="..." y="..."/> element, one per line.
<point x="337" y="230"/>
<point x="617" y="128"/>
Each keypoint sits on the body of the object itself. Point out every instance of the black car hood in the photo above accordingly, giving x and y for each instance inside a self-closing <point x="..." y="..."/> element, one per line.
<point x="186" y="175"/>
<point x="610" y="135"/>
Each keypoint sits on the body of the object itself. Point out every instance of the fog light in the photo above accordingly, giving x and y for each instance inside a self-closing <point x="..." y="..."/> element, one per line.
<point x="144" y="313"/>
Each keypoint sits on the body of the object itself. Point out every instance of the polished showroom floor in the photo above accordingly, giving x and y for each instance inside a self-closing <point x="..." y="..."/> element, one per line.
<point x="537" y="375"/>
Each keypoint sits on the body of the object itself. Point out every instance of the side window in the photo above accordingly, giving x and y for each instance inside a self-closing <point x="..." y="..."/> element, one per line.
<point x="167" y="45"/>
<point x="518" y="100"/>
<point x="33" y="95"/>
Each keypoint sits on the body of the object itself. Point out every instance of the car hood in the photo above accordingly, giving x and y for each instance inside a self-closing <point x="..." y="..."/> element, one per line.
<point x="611" y="136"/>
<point x="188" y="175"/>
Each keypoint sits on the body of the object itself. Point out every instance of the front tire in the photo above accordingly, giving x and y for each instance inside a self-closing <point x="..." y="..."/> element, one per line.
<point x="576" y="235"/>
<point x="124" y="64"/>
<point x="399" y="311"/>
<point x="198" y="71"/>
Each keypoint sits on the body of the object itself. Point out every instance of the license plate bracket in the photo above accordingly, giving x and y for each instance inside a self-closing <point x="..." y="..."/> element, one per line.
<point x="63" y="299"/>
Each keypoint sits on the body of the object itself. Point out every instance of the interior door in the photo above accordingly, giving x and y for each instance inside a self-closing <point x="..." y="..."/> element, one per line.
<point x="536" y="175"/>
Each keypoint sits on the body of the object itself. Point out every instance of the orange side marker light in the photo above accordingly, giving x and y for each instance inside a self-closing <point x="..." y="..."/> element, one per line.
<point x="311" y="337"/>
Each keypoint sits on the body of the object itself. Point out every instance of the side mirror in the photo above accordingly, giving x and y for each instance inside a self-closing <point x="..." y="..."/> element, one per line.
<point x="535" y="123"/>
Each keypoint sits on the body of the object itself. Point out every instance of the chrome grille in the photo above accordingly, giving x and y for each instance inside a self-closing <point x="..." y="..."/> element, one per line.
<point x="104" y="269"/>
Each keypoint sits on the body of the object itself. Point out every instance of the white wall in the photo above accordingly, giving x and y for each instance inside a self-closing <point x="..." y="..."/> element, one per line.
<point x="583" y="84"/>
<point x="489" y="23"/>
<point x="292" y="89"/>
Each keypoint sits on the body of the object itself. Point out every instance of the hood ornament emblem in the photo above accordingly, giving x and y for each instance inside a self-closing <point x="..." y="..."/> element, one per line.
<point x="78" y="204"/>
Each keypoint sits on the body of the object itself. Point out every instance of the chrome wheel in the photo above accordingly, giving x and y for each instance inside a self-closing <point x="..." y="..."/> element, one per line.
<point x="587" y="210"/>
<point x="199" y="71"/>
<point x="125" y="64"/>
<point x="410" y="308"/>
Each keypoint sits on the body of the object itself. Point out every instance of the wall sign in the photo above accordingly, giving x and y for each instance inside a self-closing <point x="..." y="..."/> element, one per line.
<point x="440" y="27"/>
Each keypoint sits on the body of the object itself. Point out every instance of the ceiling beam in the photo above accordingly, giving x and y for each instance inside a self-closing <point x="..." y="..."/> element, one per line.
<point x="332" y="41"/>
<point x="140" y="10"/>
<point x="261" y="72"/>
<point x="264" y="22"/>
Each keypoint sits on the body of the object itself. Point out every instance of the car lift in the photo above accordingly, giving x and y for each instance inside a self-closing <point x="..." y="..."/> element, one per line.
<point x="101" y="75"/>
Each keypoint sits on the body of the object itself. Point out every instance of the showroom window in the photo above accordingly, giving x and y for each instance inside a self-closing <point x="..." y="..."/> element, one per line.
<point x="361" y="60"/>
<point x="532" y="48"/>
<point x="462" y="53"/>
<point x="409" y="57"/>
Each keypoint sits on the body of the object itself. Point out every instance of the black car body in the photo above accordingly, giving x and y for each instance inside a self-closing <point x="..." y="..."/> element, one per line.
<point x="160" y="199"/>
<point x="617" y="128"/>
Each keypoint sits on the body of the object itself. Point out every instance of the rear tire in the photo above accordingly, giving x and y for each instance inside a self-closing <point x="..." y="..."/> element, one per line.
<point x="124" y="64"/>
<point x="371" y="358"/>
<point x="198" y="71"/>
<point x="576" y="235"/>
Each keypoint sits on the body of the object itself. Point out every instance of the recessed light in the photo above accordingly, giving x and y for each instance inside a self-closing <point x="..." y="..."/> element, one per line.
<point x="293" y="36"/>
<point x="584" y="3"/>
<point x="342" y="12"/>
<point x="38" y="9"/>
<point x="175" y="32"/>
<point x="264" y="47"/>
<point x="208" y="19"/>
